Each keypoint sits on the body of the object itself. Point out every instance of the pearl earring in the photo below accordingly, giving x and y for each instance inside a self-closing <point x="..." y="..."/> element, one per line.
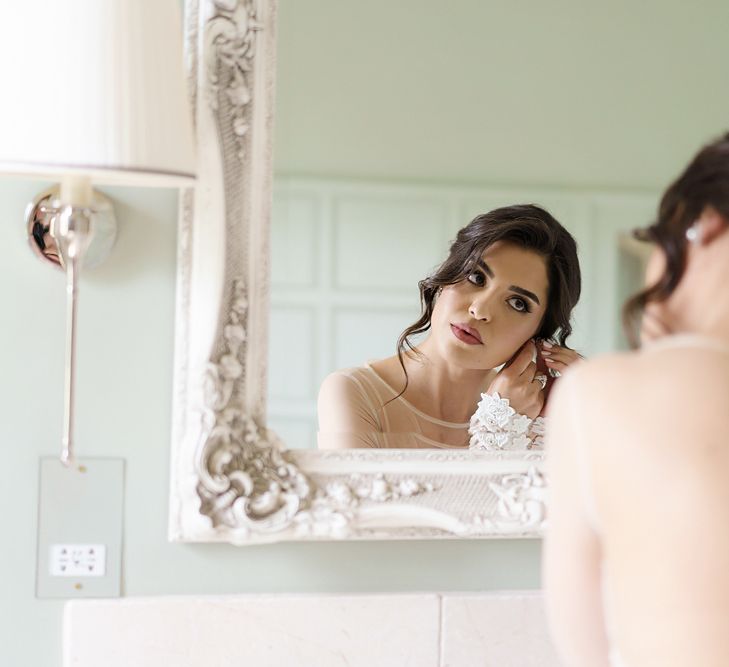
<point x="694" y="234"/>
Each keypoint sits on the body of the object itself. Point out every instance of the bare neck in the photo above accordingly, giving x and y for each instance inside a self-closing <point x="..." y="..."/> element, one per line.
<point x="440" y="389"/>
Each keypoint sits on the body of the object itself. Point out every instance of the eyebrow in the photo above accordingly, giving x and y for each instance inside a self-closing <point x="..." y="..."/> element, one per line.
<point x="513" y="288"/>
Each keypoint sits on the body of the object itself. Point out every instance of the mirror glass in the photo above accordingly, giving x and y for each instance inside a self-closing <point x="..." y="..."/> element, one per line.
<point x="399" y="122"/>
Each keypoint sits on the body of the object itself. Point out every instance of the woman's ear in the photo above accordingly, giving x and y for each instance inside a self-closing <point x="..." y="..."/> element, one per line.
<point x="708" y="226"/>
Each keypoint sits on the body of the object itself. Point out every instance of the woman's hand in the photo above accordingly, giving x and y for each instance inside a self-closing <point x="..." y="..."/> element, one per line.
<point x="652" y="325"/>
<point x="558" y="358"/>
<point x="516" y="382"/>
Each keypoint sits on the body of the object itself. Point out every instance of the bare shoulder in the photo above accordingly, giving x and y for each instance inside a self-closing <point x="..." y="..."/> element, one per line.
<point x="673" y="368"/>
<point x="649" y="384"/>
<point x="652" y="366"/>
<point x="597" y="375"/>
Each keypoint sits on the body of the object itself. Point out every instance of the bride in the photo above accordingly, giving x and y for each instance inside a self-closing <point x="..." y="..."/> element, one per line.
<point x="636" y="556"/>
<point x="504" y="295"/>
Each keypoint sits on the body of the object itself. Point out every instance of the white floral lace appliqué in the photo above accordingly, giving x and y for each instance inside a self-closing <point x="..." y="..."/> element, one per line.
<point x="496" y="426"/>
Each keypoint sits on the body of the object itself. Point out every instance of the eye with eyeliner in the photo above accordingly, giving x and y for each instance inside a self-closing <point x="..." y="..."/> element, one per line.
<point x="524" y="305"/>
<point x="481" y="278"/>
<point x="480" y="281"/>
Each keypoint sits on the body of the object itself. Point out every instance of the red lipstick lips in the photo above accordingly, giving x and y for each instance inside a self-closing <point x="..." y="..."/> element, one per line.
<point x="466" y="334"/>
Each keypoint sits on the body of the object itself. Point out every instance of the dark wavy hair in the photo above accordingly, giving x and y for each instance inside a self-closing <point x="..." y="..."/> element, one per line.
<point x="527" y="226"/>
<point x="705" y="182"/>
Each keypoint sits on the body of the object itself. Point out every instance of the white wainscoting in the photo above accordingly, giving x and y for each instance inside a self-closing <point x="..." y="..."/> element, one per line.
<point x="416" y="630"/>
<point x="347" y="257"/>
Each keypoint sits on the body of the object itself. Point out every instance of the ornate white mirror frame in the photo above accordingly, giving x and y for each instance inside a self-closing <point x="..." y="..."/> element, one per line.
<point x="231" y="478"/>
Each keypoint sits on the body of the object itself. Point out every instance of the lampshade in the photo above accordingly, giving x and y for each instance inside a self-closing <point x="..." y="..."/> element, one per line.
<point x="95" y="88"/>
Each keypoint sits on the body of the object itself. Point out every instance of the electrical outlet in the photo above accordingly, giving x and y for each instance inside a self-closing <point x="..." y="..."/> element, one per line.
<point x="78" y="560"/>
<point x="80" y="516"/>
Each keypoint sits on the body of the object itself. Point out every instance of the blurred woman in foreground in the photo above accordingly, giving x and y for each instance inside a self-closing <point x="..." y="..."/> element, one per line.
<point x="636" y="560"/>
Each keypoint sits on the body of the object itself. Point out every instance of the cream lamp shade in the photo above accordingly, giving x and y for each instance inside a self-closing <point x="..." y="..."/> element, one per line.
<point x="91" y="91"/>
<point x="95" y="88"/>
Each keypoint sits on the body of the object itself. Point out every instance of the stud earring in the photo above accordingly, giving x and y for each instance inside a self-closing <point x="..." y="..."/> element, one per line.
<point x="694" y="234"/>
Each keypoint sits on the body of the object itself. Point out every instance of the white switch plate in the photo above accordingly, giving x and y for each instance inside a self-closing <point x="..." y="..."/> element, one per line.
<point x="78" y="560"/>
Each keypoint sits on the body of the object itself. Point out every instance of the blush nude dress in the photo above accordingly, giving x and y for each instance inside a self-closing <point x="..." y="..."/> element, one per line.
<point x="358" y="409"/>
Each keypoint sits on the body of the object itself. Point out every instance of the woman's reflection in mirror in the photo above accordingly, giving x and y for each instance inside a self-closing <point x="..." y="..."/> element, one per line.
<point x="495" y="321"/>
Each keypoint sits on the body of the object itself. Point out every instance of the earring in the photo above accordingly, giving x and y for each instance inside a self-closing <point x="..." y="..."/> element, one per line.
<point x="694" y="234"/>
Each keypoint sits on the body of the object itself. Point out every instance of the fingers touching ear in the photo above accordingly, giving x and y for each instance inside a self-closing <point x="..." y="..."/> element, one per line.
<point x="523" y="358"/>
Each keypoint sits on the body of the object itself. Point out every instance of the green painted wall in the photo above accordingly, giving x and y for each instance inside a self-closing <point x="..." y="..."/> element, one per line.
<point x="566" y="93"/>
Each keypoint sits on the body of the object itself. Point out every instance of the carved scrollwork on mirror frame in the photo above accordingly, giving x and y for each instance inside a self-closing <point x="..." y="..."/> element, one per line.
<point x="232" y="479"/>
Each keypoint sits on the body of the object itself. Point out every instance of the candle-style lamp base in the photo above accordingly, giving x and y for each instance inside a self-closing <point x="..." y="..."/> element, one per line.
<point x="71" y="227"/>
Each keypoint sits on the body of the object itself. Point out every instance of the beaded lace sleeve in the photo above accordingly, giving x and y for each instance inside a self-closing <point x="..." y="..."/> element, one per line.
<point x="497" y="426"/>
